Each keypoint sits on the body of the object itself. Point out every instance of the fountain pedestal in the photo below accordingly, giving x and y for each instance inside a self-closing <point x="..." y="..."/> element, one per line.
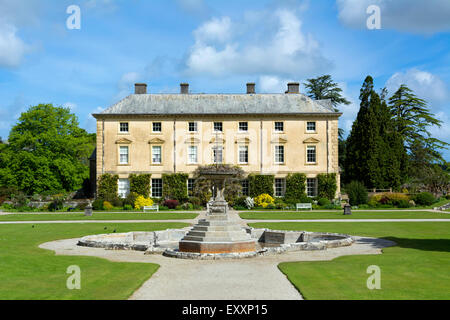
<point x="217" y="233"/>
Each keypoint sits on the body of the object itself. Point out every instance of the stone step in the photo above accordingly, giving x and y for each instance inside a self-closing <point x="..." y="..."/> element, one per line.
<point x="215" y="239"/>
<point x="216" y="233"/>
<point x="217" y="228"/>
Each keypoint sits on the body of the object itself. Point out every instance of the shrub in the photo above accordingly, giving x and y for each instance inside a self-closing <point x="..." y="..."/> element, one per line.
<point x="107" y="187"/>
<point x="127" y="207"/>
<point x="107" y="205"/>
<point x="57" y="202"/>
<point x="447" y="197"/>
<point x="295" y="186"/>
<point x="82" y="206"/>
<point x="323" y="202"/>
<point x="424" y="199"/>
<point x="240" y="208"/>
<point x="131" y="199"/>
<point x="260" y="184"/>
<point x="98" y="204"/>
<point x="19" y="200"/>
<point x="240" y="202"/>
<point x="264" y="200"/>
<point x="171" y="204"/>
<point x="118" y="202"/>
<point x="404" y="204"/>
<point x="195" y="201"/>
<point x="327" y="185"/>
<point x="357" y="193"/>
<point x="175" y="186"/>
<point x="187" y="206"/>
<point x="142" y="201"/>
<point x="162" y="208"/>
<point x="140" y="184"/>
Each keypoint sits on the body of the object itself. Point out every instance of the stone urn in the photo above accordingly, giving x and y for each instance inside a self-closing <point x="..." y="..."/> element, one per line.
<point x="88" y="209"/>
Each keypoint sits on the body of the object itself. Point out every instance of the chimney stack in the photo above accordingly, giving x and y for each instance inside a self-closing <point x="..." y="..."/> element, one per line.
<point x="140" y="88"/>
<point x="293" y="87"/>
<point x="251" y="88"/>
<point x="184" y="88"/>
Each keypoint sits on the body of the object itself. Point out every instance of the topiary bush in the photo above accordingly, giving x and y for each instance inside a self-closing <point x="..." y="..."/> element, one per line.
<point x="140" y="184"/>
<point x="295" y="187"/>
<point x="424" y="199"/>
<point x="108" y="187"/>
<point x="357" y="193"/>
<point x="127" y="207"/>
<point x="323" y="202"/>
<point x="327" y="185"/>
<point x="261" y="184"/>
<point x="175" y="186"/>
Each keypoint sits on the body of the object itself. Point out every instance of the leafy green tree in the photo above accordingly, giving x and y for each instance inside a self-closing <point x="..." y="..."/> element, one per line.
<point x="47" y="151"/>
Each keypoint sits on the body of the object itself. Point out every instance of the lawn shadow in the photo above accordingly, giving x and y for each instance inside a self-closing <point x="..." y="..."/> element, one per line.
<point x="439" y="245"/>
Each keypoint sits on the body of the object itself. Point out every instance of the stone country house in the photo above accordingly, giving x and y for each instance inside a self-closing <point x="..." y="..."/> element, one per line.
<point x="273" y="134"/>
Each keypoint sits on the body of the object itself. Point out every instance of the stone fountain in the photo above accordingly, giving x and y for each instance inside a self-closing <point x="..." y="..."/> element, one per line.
<point x="217" y="233"/>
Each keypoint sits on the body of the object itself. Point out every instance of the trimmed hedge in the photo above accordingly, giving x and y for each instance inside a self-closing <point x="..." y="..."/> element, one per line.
<point x="295" y="187"/>
<point x="327" y="185"/>
<point x="108" y="187"/>
<point x="175" y="186"/>
<point x="357" y="193"/>
<point x="260" y="184"/>
<point x="140" y="184"/>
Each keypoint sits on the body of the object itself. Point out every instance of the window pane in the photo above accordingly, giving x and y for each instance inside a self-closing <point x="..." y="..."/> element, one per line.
<point x="123" y="155"/>
<point x="243" y="154"/>
<point x="243" y="126"/>
<point x="311" y="187"/>
<point x="218" y="126"/>
<point x="311" y="154"/>
<point x="192" y="154"/>
<point x="124" y="127"/>
<point x="156" y="154"/>
<point x="157" y="185"/>
<point x="217" y="155"/>
<point x="245" y="190"/>
<point x="157" y="127"/>
<point x="311" y="126"/>
<point x="124" y="188"/>
<point x="279" y="154"/>
<point x="279" y="126"/>
<point x="280" y="187"/>
<point x="192" y="126"/>
<point x="191" y="183"/>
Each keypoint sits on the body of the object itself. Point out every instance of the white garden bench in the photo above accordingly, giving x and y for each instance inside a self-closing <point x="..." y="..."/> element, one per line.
<point x="303" y="206"/>
<point x="153" y="207"/>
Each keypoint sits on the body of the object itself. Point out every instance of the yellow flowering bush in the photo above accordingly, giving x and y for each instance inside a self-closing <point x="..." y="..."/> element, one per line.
<point x="107" y="205"/>
<point x="263" y="200"/>
<point x="142" y="201"/>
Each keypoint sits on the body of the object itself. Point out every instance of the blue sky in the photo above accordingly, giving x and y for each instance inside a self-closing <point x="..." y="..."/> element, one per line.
<point x="217" y="46"/>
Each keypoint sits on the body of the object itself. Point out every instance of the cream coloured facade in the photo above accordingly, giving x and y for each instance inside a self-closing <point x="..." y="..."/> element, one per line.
<point x="264" y="134"/>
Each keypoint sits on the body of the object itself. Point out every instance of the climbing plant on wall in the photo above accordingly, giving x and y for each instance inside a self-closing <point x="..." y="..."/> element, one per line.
<point x="107" y="187"/>
<point x="140" y="184"/>
<point x="260" y="184"/>
<point x="175" y="186"/>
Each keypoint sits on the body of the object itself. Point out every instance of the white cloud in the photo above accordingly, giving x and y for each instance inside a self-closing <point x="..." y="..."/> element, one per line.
<point x="214" y="30"/>
<point x="126" y="83"/>
<point x="273" y="84"/>
<point x="12" y="48"/>
<point x="224" y="47"/>
<point x="424" y="84"/>
<point x="72" y="106"/>
<point x="415" y="16"/>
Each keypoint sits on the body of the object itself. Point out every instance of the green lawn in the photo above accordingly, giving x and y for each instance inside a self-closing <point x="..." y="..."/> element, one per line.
<point x="100" y="216"/>
<point x="28" y="272"/>
<point x="339" y="215"/>
<point x="417" y="268"/>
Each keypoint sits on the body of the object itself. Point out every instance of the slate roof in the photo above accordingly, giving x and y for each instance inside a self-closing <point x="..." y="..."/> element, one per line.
<point x="212" y="104"/>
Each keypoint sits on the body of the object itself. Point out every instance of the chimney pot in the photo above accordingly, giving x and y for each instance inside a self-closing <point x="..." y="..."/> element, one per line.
<point x="184" y="88"/>
<point x="140" y="88"/>
<point x="251" y="88"/>
<point x="293" y="87"/>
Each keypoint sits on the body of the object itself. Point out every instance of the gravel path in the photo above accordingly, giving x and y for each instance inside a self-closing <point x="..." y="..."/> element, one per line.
<point x="244" y="279"/>
<point x="247" y="279"/>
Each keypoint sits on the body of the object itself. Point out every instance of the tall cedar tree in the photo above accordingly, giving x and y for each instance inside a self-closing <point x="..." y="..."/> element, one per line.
<point x="322" y="88"/>
<point x="412" y="119"/>
<point x="375" y="154"/>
